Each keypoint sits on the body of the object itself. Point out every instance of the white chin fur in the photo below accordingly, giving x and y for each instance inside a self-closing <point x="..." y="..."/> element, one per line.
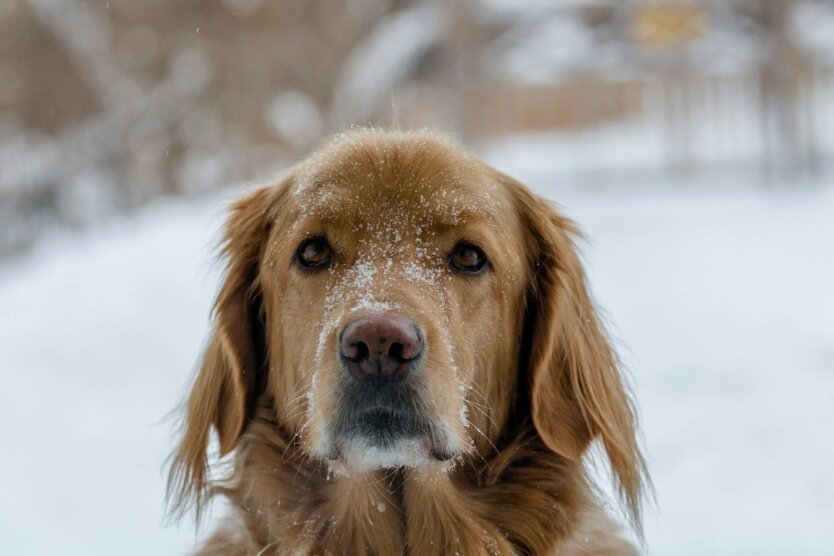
<point x="358" y="456"/>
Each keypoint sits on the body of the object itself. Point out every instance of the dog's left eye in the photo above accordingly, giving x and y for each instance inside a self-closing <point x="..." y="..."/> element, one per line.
<point x="314" y="253"/>
<point x="468" y="259"/>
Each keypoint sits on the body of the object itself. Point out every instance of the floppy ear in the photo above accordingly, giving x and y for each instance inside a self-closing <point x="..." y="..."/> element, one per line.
<point x="577" y="392"/>
<point x="232" y="370"/>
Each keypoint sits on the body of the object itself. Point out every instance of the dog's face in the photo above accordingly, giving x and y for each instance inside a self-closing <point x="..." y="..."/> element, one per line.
<point x="391" y="285"/>
<point x="394" y="301"/>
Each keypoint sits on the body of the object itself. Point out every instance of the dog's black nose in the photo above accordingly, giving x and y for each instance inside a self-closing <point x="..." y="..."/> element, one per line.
<point x="380" y="346"/>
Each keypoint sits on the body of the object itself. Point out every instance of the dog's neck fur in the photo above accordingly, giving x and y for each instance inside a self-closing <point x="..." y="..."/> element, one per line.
<point x="522" y="501"/>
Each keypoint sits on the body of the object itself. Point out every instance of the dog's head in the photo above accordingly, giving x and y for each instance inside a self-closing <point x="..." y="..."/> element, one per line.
<point x="402" y="303"/>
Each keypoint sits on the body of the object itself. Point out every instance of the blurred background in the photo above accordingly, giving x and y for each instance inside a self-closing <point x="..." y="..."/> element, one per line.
<point x="693" y="141"/>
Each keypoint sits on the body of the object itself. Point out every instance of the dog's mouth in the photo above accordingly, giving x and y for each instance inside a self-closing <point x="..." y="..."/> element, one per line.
<point x="385" y="436"/>
<point x="393" y="425"/>
<point x="382" y="427"/>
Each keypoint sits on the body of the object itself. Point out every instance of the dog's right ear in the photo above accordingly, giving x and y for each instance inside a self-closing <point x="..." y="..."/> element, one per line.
<point x="577" y="391"/>
<point x="233" y="367"/>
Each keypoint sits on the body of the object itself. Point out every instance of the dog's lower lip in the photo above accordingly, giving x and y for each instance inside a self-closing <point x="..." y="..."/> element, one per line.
<point x="382" y="419"/>
<point x="383" y="426"/>
<point x="382" y="415"/>
<point x="380" y="411"/>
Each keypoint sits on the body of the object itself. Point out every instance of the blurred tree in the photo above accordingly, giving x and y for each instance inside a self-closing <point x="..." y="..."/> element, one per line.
<point x="105" y="104"/>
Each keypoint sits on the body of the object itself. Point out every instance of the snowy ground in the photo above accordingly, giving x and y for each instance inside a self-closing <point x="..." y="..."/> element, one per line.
<point x="720" y="296"/>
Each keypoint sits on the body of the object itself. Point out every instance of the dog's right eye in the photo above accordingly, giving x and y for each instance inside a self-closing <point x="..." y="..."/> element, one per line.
<point x="468" y="259"/>
<point x="314" y="253"/>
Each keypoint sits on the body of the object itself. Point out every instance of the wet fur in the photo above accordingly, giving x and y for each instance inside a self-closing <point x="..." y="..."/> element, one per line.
<point x="522" y="489"/>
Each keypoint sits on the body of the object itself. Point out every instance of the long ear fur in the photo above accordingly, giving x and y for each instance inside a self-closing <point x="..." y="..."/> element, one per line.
<point x="232" y="371"/>
<point x="577" y="392"/>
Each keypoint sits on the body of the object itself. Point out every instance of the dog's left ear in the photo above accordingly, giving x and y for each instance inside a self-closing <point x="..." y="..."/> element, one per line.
<point x="233" y="369"/>
<point x="577" y="392"/>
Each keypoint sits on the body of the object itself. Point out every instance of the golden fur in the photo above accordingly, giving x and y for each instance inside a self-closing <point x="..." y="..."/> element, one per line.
<point x="522" y="377"/>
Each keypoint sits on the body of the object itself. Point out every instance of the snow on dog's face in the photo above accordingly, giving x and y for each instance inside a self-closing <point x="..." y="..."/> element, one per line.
<point x="390" y="285"/>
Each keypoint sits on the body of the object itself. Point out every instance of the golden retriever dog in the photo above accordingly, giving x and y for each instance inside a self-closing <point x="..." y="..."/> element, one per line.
<point x="405" y="360"/>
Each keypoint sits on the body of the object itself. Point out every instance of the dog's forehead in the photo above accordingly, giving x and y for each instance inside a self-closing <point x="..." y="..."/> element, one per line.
<point x="392" y="202"/>
<point x="429" y="188"/>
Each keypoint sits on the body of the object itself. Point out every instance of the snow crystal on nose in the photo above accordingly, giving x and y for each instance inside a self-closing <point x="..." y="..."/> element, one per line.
<point x="368" y="303"/>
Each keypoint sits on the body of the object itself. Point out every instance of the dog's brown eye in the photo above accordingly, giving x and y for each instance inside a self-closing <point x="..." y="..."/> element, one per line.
<point x="314" y="253"/>
<point x="468" y="259"/>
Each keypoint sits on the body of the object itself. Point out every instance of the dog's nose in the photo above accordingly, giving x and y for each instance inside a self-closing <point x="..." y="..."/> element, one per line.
<point x="381" y="346"/>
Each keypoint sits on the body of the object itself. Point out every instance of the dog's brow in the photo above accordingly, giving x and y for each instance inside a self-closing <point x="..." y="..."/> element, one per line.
<point x="468" y="215"/>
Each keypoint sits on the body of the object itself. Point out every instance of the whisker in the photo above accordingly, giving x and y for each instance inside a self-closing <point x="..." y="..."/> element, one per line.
<point x="484" y="413"/>
<point x="485" y="438"/>
<point x="267" y="547"/>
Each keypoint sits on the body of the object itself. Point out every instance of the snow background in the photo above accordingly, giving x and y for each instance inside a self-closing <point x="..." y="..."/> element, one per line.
<point x="718" y="291"/>
<point x="717" y="286"/>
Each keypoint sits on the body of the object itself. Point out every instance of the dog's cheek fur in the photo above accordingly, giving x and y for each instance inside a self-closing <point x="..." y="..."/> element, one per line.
<point x="292" y="353"/>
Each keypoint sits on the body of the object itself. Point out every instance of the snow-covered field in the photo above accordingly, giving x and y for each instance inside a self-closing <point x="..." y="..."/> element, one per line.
<point x="721" y="297"/>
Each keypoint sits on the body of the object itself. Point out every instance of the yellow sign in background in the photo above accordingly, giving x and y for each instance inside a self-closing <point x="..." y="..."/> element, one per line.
<point x="660" y="26"/>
